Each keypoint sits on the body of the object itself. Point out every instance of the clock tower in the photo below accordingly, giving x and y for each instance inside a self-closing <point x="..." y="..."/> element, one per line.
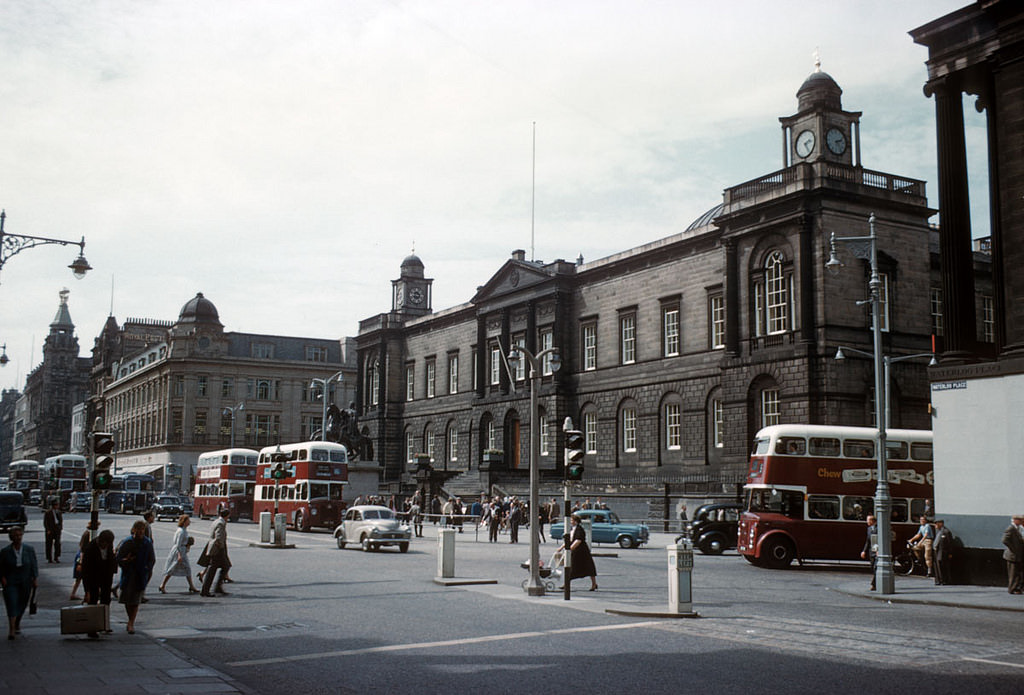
<point x="411" y="292"/>
<point x="821" y="130"/>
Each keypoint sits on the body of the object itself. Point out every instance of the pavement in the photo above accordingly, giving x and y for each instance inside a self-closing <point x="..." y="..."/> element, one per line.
<point x="41" y="660"/>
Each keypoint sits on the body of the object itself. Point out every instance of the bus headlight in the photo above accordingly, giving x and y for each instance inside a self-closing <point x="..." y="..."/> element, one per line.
<point x="313" y="511"/>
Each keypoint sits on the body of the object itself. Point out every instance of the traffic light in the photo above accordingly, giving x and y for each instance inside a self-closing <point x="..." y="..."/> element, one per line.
<point x="575" y="450"/>
<point x="279" y="471"/>
<point x="103" y="446"/>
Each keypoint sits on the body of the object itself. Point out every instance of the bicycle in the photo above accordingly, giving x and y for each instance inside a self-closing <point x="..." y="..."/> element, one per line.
<point x="907" y="562"/>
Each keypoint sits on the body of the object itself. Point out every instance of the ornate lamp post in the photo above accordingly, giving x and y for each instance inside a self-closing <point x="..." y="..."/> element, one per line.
<point x="534" y="587"/>
<point x="337" y="376"/>
<point x="11" y="244"/>
<point x="232" y="412"/>
<point x="889" y="361"/>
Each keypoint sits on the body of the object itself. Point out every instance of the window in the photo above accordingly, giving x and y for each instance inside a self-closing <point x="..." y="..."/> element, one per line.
<point x="823" y="506"/>
<point x="883" y="304"/>
<point x="200" y="427"/>
<point x="316" y="353"/>
<point x="547" y="338"/>
<point x="428" y="444"/>
<point x="410" y="382"/>
<point x="453" y="373"/>
<point x="519" y="341"/>
<point x="492" y="436"/>
<point x="670" y="330"/>
<point x="718" y="422"/>
<point x="475" y="369"/>
<point x="673" y="426"/>
<point x="262" y="389"/>
<point x="590" y="432"/>
<point x="769" y="407"/>
<point x="589" y="343"/>
<point x="936" y="310"/>
<point x="776" y="294"/>
<point x="431" y="378"/>
<point x="495" y="365"/>
<point x="201" y="385"/>
<point x="263" y="351"/>
<point x="543" y="436"/>
<point x="227" y="387"/>
<point x="629" y="429"/>
<point x="410" y="447"/>
<point x="375" y="383"/>
<point x="716" y="320"/>
<point x="627" y="339"/>
<point x="179" y="385"/>
<point x="988" y="320"/>
<point x="453" y="443"/>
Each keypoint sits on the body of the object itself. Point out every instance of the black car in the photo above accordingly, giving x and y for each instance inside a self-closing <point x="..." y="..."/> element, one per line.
<point x="714" y="527"/>
<point x="167" y="506"/>
<point x="12" y="510"/>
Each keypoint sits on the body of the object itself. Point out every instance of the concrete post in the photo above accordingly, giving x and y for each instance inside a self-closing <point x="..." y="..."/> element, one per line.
<point x="279" y="529"/>
<point x="265" y="527"/>
<point x="446" y="552"/>
<point x="680" y="572"/>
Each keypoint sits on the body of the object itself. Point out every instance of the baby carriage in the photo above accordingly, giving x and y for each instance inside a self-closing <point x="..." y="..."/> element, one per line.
<point x="551" y="573"/>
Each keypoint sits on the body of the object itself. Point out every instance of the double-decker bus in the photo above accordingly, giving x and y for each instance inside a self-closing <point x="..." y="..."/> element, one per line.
<point x="226" y="479"/>
<point x="61" y="475"/>
<point x="130" y="493"/>
<point x="310" y="493"/>
<point x="23" y="476"/>
<point x="810" y="489"/>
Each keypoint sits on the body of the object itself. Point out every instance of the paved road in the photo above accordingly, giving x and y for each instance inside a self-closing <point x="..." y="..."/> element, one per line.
<point x="318" y="619"/>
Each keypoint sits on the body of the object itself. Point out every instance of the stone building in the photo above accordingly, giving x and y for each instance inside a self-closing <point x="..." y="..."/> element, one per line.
<point x="42" y="425"/>
<point x="171" y="390"/>
<point x="673" y="353"/>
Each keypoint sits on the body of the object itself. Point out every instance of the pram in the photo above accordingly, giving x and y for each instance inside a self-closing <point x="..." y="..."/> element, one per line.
<point x="550" y="574"/>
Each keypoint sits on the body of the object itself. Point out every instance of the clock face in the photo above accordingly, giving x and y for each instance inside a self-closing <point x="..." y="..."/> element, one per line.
<point x="805" y="143"/>
<point x="416" y="295"/>
<point x="835" y="140"/>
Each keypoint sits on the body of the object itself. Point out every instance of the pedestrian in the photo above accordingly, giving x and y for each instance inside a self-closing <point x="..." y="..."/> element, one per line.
<point x="216" y="552"/>
<point x="515" y="516"/>
<point x="682" y="513"/>
<point x="870" y="551"/>
<point x="19" y="573"/>
<point x="53" y="523"/>
<point x="542" y="517"/>
<point x="457" y="511"/>
<point x="494" y="522"/>
<point x="922" y="543"/>
<point x="136" y="560"/>
<point x="99" y="565"/>
<point x="177" y="563"/>
<point x="582" y="560"/>
<point x="942" y="547"/>
<point x="1014" y="554"/>
<point x="416" y="513"/>
<point x="76" y="572"/>
<point x="449" y="505"/>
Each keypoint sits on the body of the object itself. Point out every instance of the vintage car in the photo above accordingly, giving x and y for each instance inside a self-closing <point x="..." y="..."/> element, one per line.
<point x="78" y="502"/>
<point x="372" y="527"/>
<point x="167" y="506"/>
<point x="607" y="528"/>
<point x="12" y="510"/>
<point x="714" y="527"/>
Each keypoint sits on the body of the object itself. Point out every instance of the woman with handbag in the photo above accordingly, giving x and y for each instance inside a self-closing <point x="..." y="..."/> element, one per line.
<point x="19" y="572"/>
<point x="177" y="559"/>
<point x="136" y="559"/>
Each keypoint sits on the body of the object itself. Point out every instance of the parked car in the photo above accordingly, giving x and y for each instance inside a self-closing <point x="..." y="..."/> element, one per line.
<point x="35" y="496"/>
<point x="12" y="510"/>
<point x="372" y="527"/>
<point x="167" y="507"/>
<point x="79" y="502"/>
<point x="715" y="526"/>
<point x="606" y="527"/>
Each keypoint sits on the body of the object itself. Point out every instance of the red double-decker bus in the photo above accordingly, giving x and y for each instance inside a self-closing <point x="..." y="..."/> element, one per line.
<point x="62" y="475"/>
<point x="810" y="489"/>
<point x="310" y="492"/>
<point x="225" y="479"/>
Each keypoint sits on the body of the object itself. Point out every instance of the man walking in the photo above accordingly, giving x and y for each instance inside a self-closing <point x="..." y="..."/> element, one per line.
<point x="870" y="551"/>
<point x="53" y="523"/>
<point x="1014" y="554"/>
<point x="217" y="553"/>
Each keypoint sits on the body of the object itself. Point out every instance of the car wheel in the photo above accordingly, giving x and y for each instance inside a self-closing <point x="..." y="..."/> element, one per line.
<point x="341" y="541"/>
<point x="626" y="542"/>
<point x="712" y="545"/>
<point x="365" y="542"/>
<point x="403" y="547"/>
<point x="777" y="553"/>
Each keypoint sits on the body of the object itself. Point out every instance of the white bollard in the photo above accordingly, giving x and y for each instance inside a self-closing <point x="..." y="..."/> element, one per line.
<point x="680" y="573"/>
<point x="446" y="552"/>
<point x="265" y="527"/>
<point x="279" y="529"/>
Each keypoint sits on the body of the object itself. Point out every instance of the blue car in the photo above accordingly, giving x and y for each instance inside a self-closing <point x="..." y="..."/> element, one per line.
<point x="607" y="528"/>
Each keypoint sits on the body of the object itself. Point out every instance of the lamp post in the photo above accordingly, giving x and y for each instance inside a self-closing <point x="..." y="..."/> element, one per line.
<point x="232" y="411"/>
<point x="323" y="396"/>
<point x="889" y="361"/>
<point x="883" y="500"/>
<point x="4" y="359"/>
<point x="11" y="244"/>
<point x="534" y="587"/>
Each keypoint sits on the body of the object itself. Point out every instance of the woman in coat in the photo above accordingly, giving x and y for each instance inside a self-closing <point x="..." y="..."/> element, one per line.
<point x="18" y="575"/>
<point x="177" y="559"/>
<point x="99" y="565"/>
<point x="582" y="560"/>
<point x="135" y="557"/>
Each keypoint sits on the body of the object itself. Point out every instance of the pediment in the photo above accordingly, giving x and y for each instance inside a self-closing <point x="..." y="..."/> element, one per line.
<point x="513" y="276"/>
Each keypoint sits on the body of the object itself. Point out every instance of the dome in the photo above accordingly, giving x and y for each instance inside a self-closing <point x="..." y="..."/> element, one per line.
<point x="819" y="90"/>
<point x="199" y="309"/>
<point x="412" y="266"/>
<point x="706" y="219"/>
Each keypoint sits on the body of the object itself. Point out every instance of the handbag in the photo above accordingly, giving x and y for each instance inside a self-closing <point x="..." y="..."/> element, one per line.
<point x="32" y="607"/>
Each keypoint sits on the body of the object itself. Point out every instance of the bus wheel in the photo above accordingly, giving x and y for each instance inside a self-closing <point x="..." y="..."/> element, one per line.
<point x="752" y="560"/>
<point x="299" y="522"/>
<point x="778" y="553"/>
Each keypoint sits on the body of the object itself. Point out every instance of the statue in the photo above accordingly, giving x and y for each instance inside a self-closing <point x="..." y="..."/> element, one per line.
<point x="343" y="429"/>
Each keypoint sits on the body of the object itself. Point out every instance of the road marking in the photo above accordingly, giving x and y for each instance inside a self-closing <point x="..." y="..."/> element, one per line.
<point x="993" y="661"/>
<point x="433" y="645"/>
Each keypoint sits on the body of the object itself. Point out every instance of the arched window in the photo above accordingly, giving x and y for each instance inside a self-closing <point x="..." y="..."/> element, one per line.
<point x="773" y="297"/>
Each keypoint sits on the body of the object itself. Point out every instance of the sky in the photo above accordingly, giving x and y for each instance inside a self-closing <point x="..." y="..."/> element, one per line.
<point x="283" y="157"/>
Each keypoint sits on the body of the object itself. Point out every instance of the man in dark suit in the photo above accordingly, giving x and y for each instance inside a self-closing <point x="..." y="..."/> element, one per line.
<point x="943" y="551"/>
<point x="1014" y="554"/>
<point x="870" y="551"/>
<point x="53" y="523"/>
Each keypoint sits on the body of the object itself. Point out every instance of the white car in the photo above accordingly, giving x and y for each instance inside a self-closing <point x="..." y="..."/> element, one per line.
<point x="372" y="527"/>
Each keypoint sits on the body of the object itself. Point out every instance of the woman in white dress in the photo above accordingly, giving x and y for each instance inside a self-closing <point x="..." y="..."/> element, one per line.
<point x="177" y="563"/>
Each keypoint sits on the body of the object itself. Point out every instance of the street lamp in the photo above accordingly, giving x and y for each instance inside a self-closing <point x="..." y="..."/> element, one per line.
<point x="889" y="361"/>
<point x="534" y="587"/>
<point x="11" y="244"/>
<point x="323" y="396"/>
<point x="229" y="410"/>
<point x="4" y="359"/>
<point x="883" y="500"/>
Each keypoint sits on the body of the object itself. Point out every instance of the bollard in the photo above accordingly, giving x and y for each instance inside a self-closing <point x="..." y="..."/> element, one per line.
<point x="265" y="527"/>
<point x="279" y="529"/>
<point x="680" y="572"/>
<point x="446" y="552"/>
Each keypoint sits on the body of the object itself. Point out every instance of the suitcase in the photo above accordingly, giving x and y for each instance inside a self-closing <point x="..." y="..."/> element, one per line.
<point x="79" y="620"/>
